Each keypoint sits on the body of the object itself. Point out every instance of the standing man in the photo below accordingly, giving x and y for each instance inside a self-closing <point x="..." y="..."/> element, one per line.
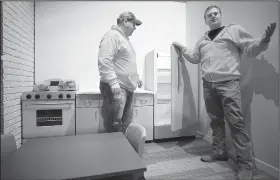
<point x="118" y="73"/>
<point x="219" y="52"/>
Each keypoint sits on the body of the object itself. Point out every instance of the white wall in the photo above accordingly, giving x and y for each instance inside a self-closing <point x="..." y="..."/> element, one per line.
<point x="67" y="35"/>
<point x="260" y="80"/>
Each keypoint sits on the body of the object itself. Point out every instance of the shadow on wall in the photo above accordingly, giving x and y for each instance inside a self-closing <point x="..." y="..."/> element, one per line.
<point x="258" y="77"/>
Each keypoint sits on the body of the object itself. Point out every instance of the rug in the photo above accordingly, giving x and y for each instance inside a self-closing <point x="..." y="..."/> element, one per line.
<point x="180" y="160"/>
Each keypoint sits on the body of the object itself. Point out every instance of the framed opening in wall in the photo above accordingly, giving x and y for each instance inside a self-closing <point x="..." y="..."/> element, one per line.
<point x="1" y="68"/>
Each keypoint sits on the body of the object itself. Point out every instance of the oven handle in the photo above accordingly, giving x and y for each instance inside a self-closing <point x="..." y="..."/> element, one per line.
<point x="52" y="103"/>
<point x="48" y="105"/>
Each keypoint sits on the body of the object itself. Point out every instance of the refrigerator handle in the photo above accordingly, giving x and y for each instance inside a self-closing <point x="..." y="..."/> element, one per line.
<point x="178" y="73"/>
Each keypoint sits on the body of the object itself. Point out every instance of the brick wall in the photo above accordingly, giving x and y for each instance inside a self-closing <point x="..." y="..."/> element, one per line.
<point x="17" y="61"/>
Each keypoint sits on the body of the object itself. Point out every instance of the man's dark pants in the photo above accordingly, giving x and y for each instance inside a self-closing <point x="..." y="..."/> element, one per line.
<point x="223" y="99"/>
<point x="117" y="109"/>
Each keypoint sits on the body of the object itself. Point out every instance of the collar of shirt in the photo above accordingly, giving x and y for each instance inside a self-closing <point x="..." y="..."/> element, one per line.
<point x="114" y="27"/>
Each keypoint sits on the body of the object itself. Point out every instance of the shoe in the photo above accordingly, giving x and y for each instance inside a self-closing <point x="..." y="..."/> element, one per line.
<point x="214" y="157"/>
<point x="244" y="174"/>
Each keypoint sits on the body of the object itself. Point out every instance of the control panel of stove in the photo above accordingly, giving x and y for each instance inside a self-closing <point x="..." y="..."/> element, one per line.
<point x="49" y="95"/>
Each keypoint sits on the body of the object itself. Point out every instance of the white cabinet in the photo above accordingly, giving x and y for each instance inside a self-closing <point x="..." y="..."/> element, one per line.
<point x="88" y="121"/>
<point x="91" y="116"/>
<point x="87" y="114"/>
<point x="144" y="112"/>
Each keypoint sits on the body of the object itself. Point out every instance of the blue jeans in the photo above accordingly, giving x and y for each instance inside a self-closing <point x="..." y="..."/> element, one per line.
<point x="117" y="109"/>
<point x="223" y="102"/>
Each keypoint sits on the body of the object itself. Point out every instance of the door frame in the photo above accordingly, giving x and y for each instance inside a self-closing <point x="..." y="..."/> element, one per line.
<point x="1" y="68"/>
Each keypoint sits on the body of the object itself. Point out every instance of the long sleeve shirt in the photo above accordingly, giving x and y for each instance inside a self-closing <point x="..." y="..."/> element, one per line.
<point x="117" y="60"/>
<point x="220" y="57"/>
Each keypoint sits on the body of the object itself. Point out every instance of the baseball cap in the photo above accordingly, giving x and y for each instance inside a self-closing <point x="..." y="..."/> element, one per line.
<point x="129" y="16"/>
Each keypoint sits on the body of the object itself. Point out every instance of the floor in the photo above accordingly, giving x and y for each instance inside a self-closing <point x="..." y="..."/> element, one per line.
<point x="180" y="160"/>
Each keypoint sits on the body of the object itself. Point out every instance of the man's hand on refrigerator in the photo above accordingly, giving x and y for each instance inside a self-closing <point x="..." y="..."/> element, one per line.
<point x="179" y="49"/>
<point x="178" y="46"/>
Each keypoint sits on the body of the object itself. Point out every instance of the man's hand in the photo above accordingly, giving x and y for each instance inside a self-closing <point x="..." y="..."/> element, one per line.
<point x="178" y="46"/>
<point x="179" y="49"/>
<point x="116" y="89"/>
<point x="139" y="83"/>
<point x="268" y="32"/>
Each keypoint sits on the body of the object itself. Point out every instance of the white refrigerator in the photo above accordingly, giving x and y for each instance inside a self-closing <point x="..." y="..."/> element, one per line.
<point x="175" y="107"/>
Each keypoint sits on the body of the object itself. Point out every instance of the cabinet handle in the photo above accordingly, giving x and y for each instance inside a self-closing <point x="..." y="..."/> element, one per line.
<point x="143" y="101"/>
<point x="96" y="116"/>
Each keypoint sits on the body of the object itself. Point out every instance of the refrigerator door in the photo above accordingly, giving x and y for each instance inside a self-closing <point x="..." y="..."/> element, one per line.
<point x="149" y="72"/>
<point x="183" y="106"/>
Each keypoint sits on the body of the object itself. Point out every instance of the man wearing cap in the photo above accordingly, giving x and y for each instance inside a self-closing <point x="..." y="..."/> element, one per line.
<point x="118" y="73"/>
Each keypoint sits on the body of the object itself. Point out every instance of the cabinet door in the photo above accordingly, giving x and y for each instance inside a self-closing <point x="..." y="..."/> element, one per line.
<point x="144" y="115"/>
<point x="87" y="120"/>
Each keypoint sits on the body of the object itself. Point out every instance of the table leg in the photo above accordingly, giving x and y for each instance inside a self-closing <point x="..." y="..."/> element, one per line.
<point x="135" y="176"/>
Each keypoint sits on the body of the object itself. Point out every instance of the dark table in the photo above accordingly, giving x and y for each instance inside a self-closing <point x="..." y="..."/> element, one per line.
<point x="94" y="156"/>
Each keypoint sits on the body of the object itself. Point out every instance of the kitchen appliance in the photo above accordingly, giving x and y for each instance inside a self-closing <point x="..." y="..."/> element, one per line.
<point x="56" y="84"/>
<point x="174" y="108"/>
<point x="48" y="113"/>
<point x="69" y="85"/>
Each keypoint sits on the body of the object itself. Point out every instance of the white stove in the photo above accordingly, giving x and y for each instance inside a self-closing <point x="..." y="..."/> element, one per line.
<point x="48" y="113"/>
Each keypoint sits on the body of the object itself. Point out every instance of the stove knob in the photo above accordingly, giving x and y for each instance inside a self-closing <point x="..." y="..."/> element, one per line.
<point x="60" y="96"/>
<point x="49" y="96"/>
<point x="68" y="96"/>
<point x="28" y="96"/>
<point x="37" y="96"/>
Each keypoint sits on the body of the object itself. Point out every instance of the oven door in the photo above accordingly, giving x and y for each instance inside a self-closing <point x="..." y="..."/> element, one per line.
<point x="44" y="119"/>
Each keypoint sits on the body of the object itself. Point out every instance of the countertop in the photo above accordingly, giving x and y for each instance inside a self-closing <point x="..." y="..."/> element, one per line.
<point x="97" y="91"/>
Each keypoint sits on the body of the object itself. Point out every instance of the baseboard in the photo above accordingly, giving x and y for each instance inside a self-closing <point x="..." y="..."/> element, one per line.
<point x="165" y="132"/>
<point x="271" y="170"/>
